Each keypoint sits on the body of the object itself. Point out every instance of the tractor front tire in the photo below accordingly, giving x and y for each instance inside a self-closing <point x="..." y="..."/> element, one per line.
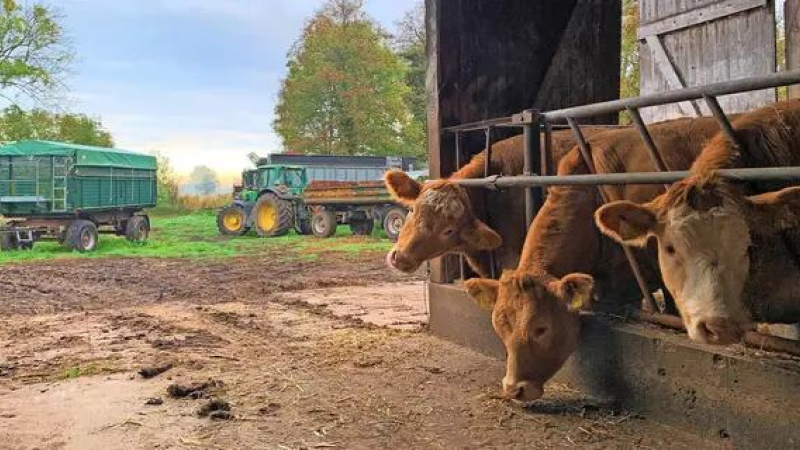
<point x="323" y="224"/>
<point x="362" y="227"/>
<point x="393" y="222"/>
<point x="232" y="221"/>
<point x="137" y="230"/>
<point x="272" y="216"/>
<point x="82" y="236"/>
<point x="8" y="242"/>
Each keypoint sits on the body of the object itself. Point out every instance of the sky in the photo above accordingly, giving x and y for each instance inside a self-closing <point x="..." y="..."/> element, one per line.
<point x="195" y="79"/>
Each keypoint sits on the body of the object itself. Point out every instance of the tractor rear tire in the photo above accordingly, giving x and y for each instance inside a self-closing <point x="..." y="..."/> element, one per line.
<point x="232" y="221"/>
<point x="323" y="224"/>
<point x="8" y="242"/>
<point x="272" y="216"/>
<point x="362" y="227"/>
<point x="393" y="222"/>
<point x="137" y="230"/>
<point x="82" y="236"/>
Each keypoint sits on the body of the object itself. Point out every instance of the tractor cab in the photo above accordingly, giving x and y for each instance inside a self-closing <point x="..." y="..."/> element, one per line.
<point x="284" y="179"/>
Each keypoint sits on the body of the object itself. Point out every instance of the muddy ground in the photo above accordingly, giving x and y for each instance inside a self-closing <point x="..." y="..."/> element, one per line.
<point x="289" y="349"/>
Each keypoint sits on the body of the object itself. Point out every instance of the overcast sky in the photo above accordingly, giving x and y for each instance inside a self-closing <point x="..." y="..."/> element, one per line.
<point x="196" y="79"/>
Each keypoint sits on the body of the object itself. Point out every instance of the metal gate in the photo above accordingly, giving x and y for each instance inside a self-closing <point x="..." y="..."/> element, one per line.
<point x="699" y="42"/>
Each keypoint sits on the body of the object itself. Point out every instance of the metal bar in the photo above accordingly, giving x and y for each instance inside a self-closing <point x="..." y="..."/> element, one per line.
<point x="680" y="95"/>
<point x="652" y="149"/>
<point x="724" y="122"/>
<point x="531" y="138"/>
<point x="547" y="154"/>
<point x="481" y="125"/>
<point x="604" y="198"/>
<point x="487" y="165"/>
<point x="504" y="182"/>
<point x="752" y="338"/>
<point x="461" y="262"/>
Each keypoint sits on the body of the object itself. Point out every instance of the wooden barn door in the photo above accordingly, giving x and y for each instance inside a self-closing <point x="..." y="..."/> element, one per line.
<point x="695" y="42"/>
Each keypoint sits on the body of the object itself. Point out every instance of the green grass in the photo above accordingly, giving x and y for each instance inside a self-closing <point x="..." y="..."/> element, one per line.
<point x="195" y="236"/>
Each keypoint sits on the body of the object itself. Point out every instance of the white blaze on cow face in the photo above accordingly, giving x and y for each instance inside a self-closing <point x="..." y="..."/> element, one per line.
<point x="705" y="264"/>
<point x="441" y="221"/>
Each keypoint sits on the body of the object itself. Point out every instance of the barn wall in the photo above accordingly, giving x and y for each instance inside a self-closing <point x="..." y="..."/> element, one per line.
<point x="494" y="58"/>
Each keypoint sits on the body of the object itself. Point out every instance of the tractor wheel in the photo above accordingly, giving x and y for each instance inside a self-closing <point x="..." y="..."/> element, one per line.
<point x="137" y="229"/>
<point x="8" y="242"/>
<point x="272" y="216"/>
<point x="81" y="236"/>
<point x="323" y="224"/>
<point x="304" y="227"/>
<point x="393" y="223"/>
<point x="362" y="227"/>
<point x="232" y="221"/>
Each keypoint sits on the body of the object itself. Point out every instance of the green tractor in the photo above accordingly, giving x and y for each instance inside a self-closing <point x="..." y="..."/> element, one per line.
<point x="266" y="202"/>
<point x="275" y="198"/>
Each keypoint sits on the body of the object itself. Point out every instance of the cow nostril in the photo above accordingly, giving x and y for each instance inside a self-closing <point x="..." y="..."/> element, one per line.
<point x="707" y="332"/>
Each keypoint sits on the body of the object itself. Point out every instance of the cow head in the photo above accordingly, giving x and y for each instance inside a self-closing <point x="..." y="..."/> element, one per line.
<point x="703" y="226"/>
<point x="441" y="221"/>
<point x="536" y="318"/>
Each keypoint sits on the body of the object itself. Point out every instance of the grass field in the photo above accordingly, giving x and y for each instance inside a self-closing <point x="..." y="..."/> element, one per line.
<point x="195" y="235"/>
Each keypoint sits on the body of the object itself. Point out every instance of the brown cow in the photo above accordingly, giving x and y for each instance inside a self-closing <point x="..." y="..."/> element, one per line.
<point x="445" y="217"/>
<point x="564" y="243"/>
<point x="722" y="254"/>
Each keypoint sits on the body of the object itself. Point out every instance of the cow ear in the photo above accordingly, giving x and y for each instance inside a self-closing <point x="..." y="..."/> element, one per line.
<point x="576" y="291"/>
<point x="402" y="187"/>
<point x="479" y="236"/>
<point x="483" y="291"/>
<point x="774" y="212"/>
<point x="626" y="222"/>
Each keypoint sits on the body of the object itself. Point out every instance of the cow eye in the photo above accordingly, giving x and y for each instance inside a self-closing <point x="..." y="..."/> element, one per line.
<point x="539" y="332"/>
<point x="669" y="249"/>
<point x="449" y="232"/>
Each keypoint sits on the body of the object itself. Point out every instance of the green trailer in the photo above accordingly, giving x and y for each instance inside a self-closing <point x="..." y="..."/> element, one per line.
<point x="72" y="193"/>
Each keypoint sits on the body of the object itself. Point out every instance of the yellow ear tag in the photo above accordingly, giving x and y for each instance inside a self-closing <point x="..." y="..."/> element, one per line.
<point x="577" y="302"/>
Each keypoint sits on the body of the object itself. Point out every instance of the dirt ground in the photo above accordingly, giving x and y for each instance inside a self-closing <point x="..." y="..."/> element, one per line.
<point x="320" y="354"/>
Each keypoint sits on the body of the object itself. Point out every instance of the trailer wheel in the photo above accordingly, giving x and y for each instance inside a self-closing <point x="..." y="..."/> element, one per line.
<point x="8" y="242"/>
<point x="304" y="227"/>
<point x="362" y="227"/>
<point x="232" y="221"/>
<point x="393" y="222"/>
<point x="272" y="216"/>
<point x="323" y="224"/>
<point x="81" y="236"/>
<point x="138" y="229"/>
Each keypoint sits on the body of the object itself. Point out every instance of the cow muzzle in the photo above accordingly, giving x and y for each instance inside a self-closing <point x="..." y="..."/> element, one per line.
<point x="523" y="391"/>
<point x="399" y="261"/>
<point x="719" y="330"/>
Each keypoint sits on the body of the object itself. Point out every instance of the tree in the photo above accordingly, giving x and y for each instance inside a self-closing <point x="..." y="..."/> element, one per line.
<point x="168" y="185"/>
<point x="17" y="124"/>
<point x="34" y="52"/>
<point x="345" y="90"/>
<point x="410" y="42"/>
<point x="204" y="180"/>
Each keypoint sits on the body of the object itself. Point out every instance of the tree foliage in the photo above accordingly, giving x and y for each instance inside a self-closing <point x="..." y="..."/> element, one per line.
<point x="410" y="42"/>
<point x="17" y="124"/>
<point x="204" y="180"/>
<point x="168" y="184"/>
<point x="345" y="92"/>
<point x="34" y="52"/>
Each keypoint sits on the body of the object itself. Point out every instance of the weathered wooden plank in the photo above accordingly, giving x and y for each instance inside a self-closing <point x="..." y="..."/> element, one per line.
<point x="737" y="46"/>
<point x="792" y="14"/>
<point x="670" y="74"/>
<point x="698" y="16"/>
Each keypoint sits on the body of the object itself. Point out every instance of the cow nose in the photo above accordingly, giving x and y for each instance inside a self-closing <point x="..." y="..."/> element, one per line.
<point x="720" y="331"/>
<point x="391" y="258"/>
<point x="523" y="391"/>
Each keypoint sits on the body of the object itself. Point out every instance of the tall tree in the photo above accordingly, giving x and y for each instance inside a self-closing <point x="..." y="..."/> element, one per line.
<point x="345" y="90"/>
<point x="34" y="52"/>
<point x="17" y="124"/>
<point x="168" y="185"/>
<point x="410" y="42"/>
<point x="204" y="180"/>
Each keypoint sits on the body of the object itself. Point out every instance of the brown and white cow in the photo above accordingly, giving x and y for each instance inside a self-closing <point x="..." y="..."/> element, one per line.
<point x="723" y="255"/>
<point x="563" y="244"/>
<point x="446" y="218"/>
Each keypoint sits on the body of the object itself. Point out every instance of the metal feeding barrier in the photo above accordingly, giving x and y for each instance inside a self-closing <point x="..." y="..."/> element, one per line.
<point x="537" y="160"/>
